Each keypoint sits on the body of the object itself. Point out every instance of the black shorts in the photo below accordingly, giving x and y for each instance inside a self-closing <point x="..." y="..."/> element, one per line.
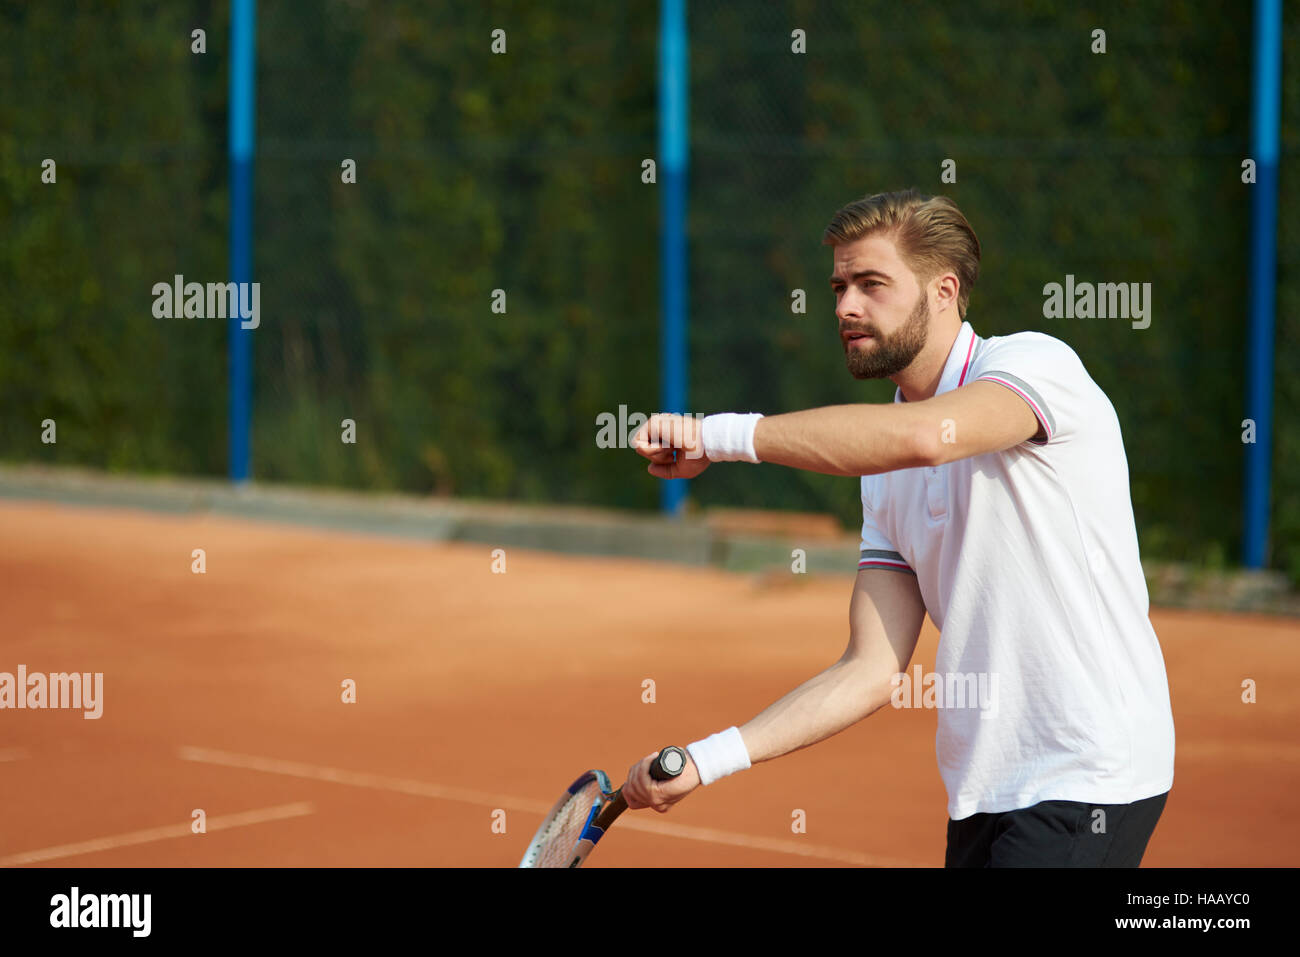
<point x="1056" y="834"/>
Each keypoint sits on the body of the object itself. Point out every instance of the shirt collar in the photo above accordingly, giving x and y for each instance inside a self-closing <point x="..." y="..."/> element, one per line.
<point x="956" y="370"/>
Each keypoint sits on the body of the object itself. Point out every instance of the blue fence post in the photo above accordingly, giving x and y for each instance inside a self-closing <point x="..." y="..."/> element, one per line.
<point x="1266" y="105"/>
<point x="674" y="75"/>
<point x="243" y="50"/>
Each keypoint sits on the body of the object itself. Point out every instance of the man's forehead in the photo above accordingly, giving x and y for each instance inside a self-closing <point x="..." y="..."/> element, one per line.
<point x="871" y="252"/>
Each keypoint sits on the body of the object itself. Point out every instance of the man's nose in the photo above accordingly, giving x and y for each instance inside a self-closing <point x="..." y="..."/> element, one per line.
<point x="849" y="306"/>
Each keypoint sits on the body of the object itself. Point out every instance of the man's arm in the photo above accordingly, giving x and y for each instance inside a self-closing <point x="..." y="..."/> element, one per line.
<point x="867" y="439"/>
<point x="861" y="439"/>
<point x="885" y="617"/>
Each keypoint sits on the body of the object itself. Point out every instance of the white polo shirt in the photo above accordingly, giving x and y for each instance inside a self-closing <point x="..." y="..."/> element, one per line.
<point x="1027" y="561"/>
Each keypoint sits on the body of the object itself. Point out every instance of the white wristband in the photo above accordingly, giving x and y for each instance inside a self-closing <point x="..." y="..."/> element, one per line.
<point x="729" y="436"/>
<point x="719" y="755"/>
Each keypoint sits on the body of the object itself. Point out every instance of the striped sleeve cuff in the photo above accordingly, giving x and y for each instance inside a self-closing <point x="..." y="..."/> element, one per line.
<point x="1027" y="392"/>
<point x="878" y="558"/>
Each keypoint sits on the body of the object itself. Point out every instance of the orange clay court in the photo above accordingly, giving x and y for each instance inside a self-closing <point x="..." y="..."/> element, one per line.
<point x="479" y="692"/>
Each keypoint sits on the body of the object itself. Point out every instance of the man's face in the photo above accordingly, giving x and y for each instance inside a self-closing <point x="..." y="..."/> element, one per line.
<point x="883" y="310"/>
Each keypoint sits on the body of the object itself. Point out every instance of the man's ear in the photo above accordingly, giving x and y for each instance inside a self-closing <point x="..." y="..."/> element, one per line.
<point x="946" y="287"/>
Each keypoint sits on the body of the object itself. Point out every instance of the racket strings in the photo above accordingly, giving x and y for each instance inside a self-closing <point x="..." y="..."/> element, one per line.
<point x="558" y="839"/>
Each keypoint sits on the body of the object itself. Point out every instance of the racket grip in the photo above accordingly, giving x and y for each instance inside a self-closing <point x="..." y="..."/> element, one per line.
<point x="670" y="762"/>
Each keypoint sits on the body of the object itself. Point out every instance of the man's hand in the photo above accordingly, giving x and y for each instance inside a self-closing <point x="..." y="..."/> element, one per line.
<point x="641" y="790"/>
<point x="673" y="445"/>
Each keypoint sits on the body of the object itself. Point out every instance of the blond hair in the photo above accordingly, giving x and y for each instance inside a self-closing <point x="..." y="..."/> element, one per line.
<point x="931" y="233"/>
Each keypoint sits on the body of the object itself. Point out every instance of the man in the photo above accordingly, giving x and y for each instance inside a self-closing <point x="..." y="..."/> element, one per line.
<point x="994" y="496"/>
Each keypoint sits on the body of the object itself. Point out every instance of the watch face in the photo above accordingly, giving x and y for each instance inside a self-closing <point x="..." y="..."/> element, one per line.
<point x="672" y="760"/>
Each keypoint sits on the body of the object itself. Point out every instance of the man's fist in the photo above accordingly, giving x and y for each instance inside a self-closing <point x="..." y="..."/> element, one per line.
<point x="673" y="445"/>
<point x="641" y="790"/>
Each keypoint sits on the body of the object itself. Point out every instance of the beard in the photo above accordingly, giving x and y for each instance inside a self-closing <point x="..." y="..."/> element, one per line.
<point x="893" y="354"/>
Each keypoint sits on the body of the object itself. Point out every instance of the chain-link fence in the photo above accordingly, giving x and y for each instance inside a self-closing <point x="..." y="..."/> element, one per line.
<point x="488" y="285"/>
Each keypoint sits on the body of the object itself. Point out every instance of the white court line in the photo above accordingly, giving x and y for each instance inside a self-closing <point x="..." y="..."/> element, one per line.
<point x="775" y="844"/>
<point x="165" y="832"/>
<point x="361" y="779"/>
<point x="1218" y="749"/>
<point x="12" y="754"/>
<point x="507" y="802"/>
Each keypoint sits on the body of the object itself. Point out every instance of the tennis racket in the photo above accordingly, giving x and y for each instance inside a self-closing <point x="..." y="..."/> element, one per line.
<point x="585" y="812"/>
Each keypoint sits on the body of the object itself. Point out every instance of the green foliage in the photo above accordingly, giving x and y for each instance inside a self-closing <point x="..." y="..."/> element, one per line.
<point x="113" y="97"/>
<point x="522" y="172"/>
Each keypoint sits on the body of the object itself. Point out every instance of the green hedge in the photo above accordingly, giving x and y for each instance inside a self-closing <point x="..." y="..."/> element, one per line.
<point x="522" y="172"/>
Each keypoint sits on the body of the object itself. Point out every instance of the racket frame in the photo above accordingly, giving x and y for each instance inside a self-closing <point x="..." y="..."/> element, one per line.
<point x="603" y="813"/>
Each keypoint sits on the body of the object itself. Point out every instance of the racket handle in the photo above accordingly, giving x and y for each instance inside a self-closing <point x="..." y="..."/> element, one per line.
<point x="669" y="764"/>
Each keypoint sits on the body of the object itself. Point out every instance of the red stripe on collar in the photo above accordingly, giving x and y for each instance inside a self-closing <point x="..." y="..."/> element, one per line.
<point x="969" y="349"/>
